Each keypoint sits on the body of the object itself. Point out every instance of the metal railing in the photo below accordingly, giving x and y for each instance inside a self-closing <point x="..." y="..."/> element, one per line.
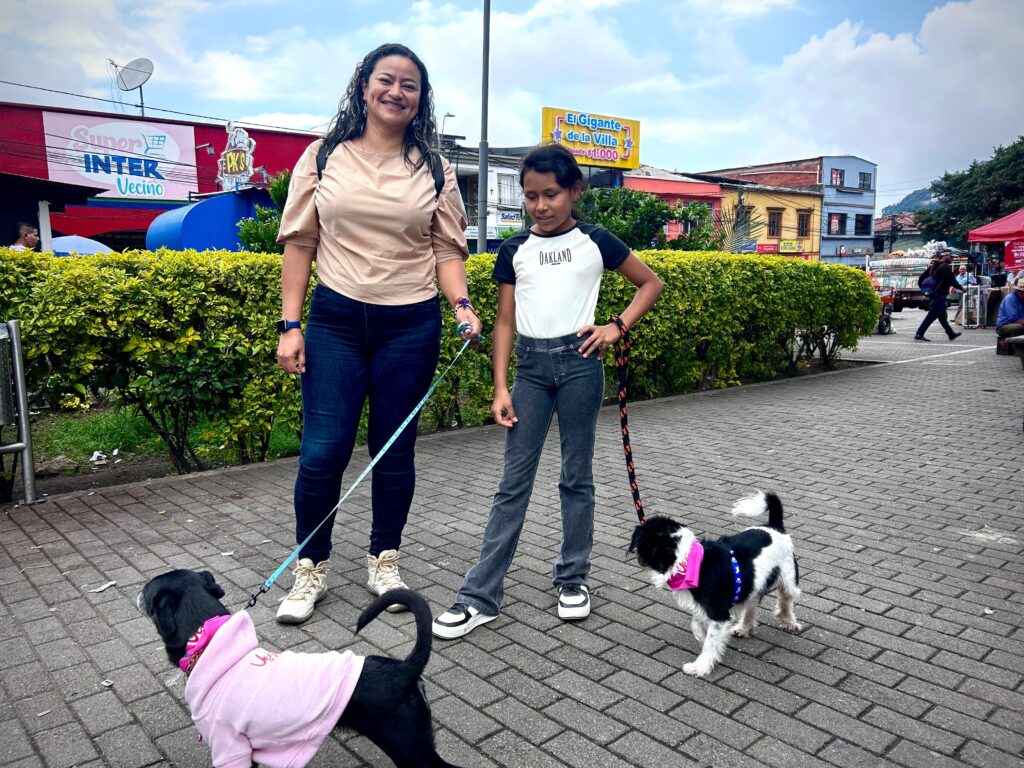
<point x="14" y="403"/>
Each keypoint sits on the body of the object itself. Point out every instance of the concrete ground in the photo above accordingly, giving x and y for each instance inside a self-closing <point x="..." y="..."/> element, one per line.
<point x="903" y="491"/>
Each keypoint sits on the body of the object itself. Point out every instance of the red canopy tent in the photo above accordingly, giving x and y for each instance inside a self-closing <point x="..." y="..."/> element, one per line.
<point x="999" y="231"/>
<point x="1008" y="230"/>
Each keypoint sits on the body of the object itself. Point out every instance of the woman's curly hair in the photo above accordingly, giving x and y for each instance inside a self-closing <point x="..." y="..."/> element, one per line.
<point x="350" y="122"/>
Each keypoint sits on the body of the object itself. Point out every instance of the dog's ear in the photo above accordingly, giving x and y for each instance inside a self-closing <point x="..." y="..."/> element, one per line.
<point x="210" y="585"/>
<point x="165" y="608"/>
<point x="638" y="534"/>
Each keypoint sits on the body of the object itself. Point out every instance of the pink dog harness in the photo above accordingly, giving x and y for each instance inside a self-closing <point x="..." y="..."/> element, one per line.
<point x="686" y="574"/>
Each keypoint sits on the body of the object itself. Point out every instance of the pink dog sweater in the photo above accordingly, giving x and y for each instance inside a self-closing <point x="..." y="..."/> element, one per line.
<point x="250" y="704"/>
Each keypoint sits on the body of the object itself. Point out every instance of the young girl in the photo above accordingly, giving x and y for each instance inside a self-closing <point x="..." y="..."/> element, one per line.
<point x="548" y="282"/>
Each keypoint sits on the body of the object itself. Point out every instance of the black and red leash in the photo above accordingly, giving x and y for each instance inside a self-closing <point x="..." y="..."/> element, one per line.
<point x="622" y="349"/>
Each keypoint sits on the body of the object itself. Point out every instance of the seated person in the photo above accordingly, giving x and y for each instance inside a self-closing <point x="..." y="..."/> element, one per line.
<point x="965" y="278"/>
<point x="1011" y="312"/>
<point x="999" y="276"/>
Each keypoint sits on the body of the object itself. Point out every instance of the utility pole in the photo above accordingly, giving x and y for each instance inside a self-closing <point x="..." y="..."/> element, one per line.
<point x="481" y="192"/>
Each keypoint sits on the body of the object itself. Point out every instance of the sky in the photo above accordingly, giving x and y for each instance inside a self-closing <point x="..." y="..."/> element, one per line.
<point x="919" y="87"/>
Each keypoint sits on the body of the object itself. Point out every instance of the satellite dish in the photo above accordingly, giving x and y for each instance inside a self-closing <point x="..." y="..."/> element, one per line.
<point x="134" y="74"/>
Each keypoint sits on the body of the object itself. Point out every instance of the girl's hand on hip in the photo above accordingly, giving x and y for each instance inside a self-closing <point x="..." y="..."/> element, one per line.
<point x="601" y="337"/>
<point x="501" y="409"/>
<point x="291" y="352"/>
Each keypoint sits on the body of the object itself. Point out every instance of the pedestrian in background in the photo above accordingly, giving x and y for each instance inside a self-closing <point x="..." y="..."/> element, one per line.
<point x="380" y="233"/>
<point x="1010" y="321"/>
<point x="28" y="238"/>
<point x="548" y="279"/>
<point x="942" y="275"/>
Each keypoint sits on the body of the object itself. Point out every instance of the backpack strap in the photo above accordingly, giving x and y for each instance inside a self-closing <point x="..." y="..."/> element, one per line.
<point x="433" y="161"/>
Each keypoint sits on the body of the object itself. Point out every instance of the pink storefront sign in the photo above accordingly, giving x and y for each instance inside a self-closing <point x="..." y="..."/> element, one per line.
<point x="131" y="159"/>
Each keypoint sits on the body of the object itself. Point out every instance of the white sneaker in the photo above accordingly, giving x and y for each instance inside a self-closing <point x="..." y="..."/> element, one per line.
<point x="573" y="602"/>
<point x="310" y="586"/>
<point x="459" y="620"/>
<point x="382" y="575"/>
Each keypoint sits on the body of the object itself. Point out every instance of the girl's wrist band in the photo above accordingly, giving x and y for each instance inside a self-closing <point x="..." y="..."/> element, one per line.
<point x="620" y="325"/>
<point x="462" y="303"/>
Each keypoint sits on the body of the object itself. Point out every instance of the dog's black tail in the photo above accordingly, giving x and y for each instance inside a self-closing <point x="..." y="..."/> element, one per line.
<point x="417" y="659"/>
<point x="758" y="504"/>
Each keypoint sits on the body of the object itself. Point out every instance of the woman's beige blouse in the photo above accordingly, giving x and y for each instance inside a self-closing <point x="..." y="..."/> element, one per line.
<point x="376" y="226"/>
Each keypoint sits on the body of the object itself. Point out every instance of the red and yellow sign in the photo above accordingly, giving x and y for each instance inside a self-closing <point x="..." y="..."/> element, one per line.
<point x="601" y="140"/>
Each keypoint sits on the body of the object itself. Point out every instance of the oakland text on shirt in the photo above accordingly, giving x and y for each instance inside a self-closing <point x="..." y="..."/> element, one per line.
<point x="554" y="257"/>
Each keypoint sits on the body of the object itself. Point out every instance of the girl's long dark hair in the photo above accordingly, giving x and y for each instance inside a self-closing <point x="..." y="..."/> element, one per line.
<point x="350" y="122"/>
<point x="556" y="159"/>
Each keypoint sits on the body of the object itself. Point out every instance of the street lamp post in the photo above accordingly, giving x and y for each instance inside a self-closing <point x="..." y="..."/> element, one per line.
<point x="440" y="136"/>
<point x="481" y="195"/>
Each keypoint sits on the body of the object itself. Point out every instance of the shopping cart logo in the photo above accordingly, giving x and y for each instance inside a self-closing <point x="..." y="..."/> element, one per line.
<point x="154" y="144"/>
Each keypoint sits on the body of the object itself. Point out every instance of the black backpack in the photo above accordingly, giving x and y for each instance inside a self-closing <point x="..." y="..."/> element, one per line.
<point x="433" y="161"/>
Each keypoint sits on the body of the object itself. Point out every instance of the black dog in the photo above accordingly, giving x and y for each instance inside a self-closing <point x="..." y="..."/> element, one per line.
<point x="386" y="703"/>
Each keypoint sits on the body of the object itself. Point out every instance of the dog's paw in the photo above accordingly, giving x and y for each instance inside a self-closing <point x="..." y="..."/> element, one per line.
<point x="791" y="625"/>
<point x="744" y="631"/>
<point x="697" y="669"/>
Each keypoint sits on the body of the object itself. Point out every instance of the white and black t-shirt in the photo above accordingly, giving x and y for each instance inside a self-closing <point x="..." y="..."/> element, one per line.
<point x="557" y="277"/>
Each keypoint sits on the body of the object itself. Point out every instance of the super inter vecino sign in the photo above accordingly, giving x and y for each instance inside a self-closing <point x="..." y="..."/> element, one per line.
<point x="609" y="142"/>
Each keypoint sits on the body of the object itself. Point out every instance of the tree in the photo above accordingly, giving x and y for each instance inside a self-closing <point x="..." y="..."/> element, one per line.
<point x="637" y="218"/>
<point x="986" y="191"/>
<point x="701" y="232"/>
<point x="260" y="234"/>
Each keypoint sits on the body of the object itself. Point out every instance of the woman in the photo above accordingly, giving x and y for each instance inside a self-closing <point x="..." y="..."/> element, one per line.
<point x="380" y="233"/>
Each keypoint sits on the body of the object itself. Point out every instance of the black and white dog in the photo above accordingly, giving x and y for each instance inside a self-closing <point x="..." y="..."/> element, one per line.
<point x="254" y="705"/>
<point x="712" y="580"/>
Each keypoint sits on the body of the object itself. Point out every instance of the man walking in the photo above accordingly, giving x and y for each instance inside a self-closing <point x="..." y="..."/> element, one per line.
<point x="942" y="274"/>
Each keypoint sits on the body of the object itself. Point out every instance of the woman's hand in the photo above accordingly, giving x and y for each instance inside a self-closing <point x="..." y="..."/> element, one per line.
<point x="601" y="337"/>
<point x="467" y="315"/>
<point x="501" y="409"/>
<point x="291" y="351"/>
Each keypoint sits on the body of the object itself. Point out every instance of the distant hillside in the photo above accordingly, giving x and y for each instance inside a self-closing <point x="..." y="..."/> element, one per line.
<point x="915" y="201"/>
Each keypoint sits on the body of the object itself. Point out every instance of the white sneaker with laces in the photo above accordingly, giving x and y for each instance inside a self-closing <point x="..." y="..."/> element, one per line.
<point x="382" y="575"/>
<point x="310" y="586"/>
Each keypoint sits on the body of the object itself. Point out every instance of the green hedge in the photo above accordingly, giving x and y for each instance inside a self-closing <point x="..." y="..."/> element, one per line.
<point x="178" y="335"/>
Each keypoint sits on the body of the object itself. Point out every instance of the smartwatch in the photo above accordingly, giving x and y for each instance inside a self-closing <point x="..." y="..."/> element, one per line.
<point x="287" y="325"/>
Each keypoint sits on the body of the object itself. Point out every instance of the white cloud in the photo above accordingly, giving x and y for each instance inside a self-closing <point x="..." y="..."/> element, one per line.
<point x="740" y="8"/>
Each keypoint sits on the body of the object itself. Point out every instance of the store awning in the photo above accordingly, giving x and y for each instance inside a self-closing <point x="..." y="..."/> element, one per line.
<point x="56" y="193"/>
<point x="999" y="231"/>
<point x="88" y="220"/>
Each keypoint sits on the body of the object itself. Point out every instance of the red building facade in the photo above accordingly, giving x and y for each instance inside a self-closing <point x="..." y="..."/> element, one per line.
<point x="674" y="189"/>
<point x="145" y="165"/>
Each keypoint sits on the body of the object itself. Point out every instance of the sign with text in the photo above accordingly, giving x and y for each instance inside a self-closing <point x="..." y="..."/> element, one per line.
<point x="600" y="140"/>
<point x="1014" y="255"/>
<point x="131" y="159"/>
<point x="235" y="164"/>
<point x="767" y="248"/>
<point x="790" y="246"/>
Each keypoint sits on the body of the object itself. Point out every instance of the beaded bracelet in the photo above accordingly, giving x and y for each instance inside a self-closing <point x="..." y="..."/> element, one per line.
<point x="623" y="330"/>
<point x="462" y="303"/>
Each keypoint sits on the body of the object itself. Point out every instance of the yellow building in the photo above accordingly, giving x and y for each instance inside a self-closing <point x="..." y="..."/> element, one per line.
<point x="767" y="219"/>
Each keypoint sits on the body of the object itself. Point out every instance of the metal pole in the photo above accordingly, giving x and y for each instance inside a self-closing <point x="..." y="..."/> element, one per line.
<point x="481" y="192"/>
<point x="28" y="467"/>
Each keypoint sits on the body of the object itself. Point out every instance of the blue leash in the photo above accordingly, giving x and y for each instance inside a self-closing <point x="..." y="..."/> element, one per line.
<point x="281" y="569"/>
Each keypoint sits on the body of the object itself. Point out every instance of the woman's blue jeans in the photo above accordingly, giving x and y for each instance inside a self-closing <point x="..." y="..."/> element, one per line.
<point x="354" y="351"/>
<point x="551" y="377"/>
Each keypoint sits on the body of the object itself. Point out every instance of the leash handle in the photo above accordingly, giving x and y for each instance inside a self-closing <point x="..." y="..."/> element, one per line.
<point x="622" y="348"/>
<point x="423" y="401"/>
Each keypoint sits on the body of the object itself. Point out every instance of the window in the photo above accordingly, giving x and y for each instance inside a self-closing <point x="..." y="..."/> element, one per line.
<point x="838" y="177"/>
<point x="774" y="222"/>
<point x="862" y="224"/>
<point x="508" y="190"/>
<point x="803" y="224"/>
<point x="865" y="180"/>
<point x="837" y="223"/>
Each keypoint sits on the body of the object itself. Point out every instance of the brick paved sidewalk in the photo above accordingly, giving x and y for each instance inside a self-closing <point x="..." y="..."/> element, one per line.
<point x="903" y="492"/>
